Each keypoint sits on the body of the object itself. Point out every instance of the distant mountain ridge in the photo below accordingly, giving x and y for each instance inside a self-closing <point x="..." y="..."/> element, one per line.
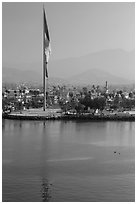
<point x="13" y="75"/>
<point x="98" y="77"/>
<point x="115" y="66"/>
<point x="94" y="76"/>
<point x="117" y="62"/>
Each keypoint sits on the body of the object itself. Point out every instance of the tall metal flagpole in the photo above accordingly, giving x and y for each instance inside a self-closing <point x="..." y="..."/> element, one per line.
<point x="44" y="65"/>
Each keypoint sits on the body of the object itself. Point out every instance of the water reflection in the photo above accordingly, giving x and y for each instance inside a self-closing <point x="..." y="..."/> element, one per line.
<point x="65" y="154"/>
<point x="44" y="124"/>
<point x="3" y="125"/>
<point x="44" y="148"/>
<point x="119" y="134"/>
<point x="45" y="190"/>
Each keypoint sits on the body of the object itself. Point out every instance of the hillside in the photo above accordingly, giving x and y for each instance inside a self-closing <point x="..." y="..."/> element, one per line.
<point x="13" y="75"/>
<point x="97" y="77"/>
<point x="115" y="66"/>
<point x="117" y="62"/>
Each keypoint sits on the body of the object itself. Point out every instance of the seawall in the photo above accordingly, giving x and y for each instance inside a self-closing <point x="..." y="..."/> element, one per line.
<point x="70" y="117"/>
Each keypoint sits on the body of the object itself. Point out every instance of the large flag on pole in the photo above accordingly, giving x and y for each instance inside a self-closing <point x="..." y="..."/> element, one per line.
<point x="47" y="48"/>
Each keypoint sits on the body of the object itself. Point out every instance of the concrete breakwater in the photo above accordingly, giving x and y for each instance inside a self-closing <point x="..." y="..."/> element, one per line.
<point x="70" y="117"/>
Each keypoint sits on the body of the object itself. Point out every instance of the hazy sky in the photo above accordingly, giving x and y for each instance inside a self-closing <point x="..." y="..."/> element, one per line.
<point x="75" y="29"/>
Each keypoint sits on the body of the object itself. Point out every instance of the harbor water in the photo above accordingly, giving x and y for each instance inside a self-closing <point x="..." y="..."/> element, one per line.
<point x="68" y="161"/>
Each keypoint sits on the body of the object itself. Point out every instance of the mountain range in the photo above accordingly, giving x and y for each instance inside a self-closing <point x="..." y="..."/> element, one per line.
<point x="114" y="66"/>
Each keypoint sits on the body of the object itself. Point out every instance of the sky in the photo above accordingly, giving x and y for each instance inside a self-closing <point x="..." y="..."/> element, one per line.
<point x="76" y="29"/>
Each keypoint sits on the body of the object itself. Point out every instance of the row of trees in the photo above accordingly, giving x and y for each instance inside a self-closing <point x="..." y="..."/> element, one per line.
<point x="83" y="104"/>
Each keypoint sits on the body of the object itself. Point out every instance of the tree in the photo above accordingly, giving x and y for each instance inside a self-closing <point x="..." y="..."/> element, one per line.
<point x="80" y="108"/>
<point x="128" y="103"/>
<point x="116" y="100"/>
<point x="99" y="103"/>
<point x="86" y="102"/>
<point x="71" y="94"/>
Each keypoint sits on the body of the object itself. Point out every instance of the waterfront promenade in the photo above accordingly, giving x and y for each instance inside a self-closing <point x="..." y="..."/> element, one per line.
<point x="55" y="114"/>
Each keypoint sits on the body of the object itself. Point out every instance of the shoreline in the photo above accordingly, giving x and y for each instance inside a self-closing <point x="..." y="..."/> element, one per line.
<point x="88" y="117"/>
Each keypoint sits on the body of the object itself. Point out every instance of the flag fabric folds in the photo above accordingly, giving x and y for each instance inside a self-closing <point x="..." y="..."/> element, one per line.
<point x="47" y="48"/>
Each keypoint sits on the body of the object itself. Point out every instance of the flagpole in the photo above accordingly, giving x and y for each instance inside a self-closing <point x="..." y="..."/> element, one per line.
<point x="46" y="53"/>
<point x="47" y="91"/>
<point x="44" y="66"/>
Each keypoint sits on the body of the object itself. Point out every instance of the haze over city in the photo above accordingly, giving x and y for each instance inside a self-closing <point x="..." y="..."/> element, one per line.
<point x="84" y="36"/>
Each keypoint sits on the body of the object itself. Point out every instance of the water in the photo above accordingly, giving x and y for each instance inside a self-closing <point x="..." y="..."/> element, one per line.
<point x="68" y="161"/>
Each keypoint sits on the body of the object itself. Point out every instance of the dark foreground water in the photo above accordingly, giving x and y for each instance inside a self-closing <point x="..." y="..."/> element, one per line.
<point x="68" y="161"/>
